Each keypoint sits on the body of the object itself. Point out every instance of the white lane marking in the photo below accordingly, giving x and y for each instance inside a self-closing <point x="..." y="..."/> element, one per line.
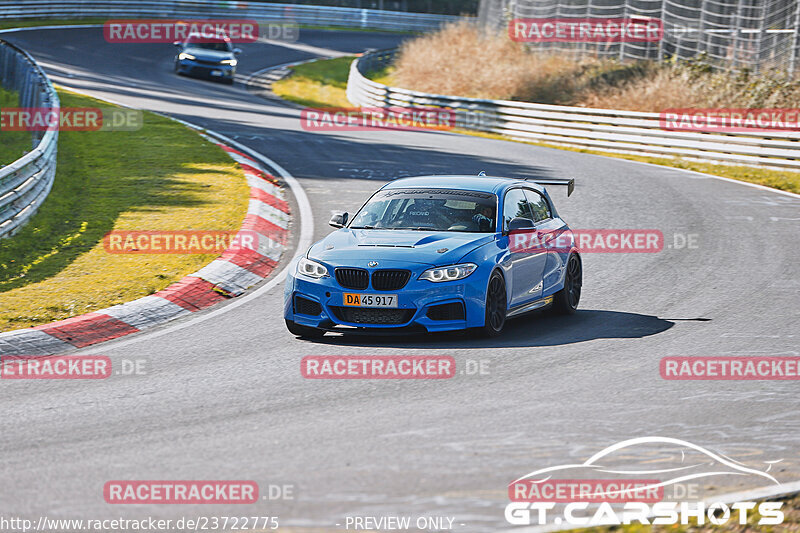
<point x="249" y="79"/>
<point x="327" y="52"/>
<point x="704" y="175"/>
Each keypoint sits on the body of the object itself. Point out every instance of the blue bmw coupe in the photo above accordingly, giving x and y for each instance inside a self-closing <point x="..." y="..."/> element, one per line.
<point x="436" y="253"/>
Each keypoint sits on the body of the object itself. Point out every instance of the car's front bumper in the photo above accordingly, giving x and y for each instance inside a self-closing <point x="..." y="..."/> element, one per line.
<point x="206" y="70"/>
<point x="418" y="303"/>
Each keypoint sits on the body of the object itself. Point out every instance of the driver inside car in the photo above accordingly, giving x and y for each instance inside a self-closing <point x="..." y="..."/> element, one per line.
<point x="484" y="218"/>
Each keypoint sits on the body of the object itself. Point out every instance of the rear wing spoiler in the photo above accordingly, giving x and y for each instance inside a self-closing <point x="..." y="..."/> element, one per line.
<point x="569" y="182"/>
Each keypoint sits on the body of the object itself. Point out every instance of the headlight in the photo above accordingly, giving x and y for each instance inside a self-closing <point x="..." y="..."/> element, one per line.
<point x="184" y="55"/>
<point x="231" y="62"/>
<point x="311" y="268"/>
<point x="449" y="273"/>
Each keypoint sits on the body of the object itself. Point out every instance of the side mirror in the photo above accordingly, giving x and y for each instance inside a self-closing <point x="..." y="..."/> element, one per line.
<point x="237" y="51"/>
<point x="518" y="223"/>
<point x="338" y="220"/>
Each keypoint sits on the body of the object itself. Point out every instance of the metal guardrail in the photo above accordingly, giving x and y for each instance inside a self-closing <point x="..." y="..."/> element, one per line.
<point x="599" y="129"/>
<point x="298" y="14"/>
<point x="25" y="183"/>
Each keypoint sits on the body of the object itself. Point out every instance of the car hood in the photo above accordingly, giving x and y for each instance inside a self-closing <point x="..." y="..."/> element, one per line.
<point x="208" y="55"/>
<point x="431" y="248"/>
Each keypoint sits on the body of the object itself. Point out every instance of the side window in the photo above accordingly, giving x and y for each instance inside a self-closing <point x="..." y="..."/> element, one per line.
<point x="538" y="203"/>
<point x="515" y="205"/>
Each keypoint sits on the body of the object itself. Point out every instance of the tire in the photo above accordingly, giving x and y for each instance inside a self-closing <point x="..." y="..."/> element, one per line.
<point x="228" y="81"/>
<point x="496" y="306"/>
<point x="303" y="331"/>
<point x="565" y="301"/>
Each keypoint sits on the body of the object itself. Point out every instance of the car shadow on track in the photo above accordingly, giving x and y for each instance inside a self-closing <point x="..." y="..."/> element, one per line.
<point x="536" y="329"/>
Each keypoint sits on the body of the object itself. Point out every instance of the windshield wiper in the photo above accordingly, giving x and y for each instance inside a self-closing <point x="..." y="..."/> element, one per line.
<point x="362" y="227"/>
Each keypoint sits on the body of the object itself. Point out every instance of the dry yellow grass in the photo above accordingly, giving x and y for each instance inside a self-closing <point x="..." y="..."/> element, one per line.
<point x="462" y="60"/>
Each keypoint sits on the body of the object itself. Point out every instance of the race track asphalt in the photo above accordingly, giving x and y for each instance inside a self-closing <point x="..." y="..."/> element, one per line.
<point x="224" y="398"/>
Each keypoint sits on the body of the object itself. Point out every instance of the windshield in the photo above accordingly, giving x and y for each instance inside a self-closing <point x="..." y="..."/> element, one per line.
<point x="219" y="46"/>
<point x="429" y="210"/>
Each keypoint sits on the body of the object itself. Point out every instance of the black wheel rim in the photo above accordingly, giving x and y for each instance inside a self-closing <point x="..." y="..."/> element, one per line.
<point x="573" y="282"/>
<point x="496" y="304"/>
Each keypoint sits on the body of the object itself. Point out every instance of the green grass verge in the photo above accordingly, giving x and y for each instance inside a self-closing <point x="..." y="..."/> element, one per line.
<point x="161" y="177"/>
<point x="317" y="84"/>
<point x="15" y="143"/>
<point x="791" y="523"/>
<point x="323" y="83"/>
<point x="27" y="23"/>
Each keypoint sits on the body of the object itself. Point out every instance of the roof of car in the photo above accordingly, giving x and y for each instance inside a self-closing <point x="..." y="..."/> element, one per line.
<point x="471" y="183"/>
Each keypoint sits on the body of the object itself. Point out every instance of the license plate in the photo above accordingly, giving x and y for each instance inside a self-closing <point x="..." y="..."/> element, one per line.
<point x="216" y="73"/>
<point x="369" y="300"/>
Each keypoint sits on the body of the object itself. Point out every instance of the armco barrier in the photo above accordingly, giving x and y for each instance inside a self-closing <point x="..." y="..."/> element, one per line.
<point x="298" y="14"/>
<point x="25" y="183"/>
<point x="599" y="129"/>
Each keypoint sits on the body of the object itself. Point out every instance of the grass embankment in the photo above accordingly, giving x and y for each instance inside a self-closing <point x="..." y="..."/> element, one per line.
<point x="791" y="523"/>
<point x="318" y="84"/>
<point x="550" y="80"/>
<point x="161" y="177"/>
<point x="28" y="23"/>
<point x="15" y="143"/>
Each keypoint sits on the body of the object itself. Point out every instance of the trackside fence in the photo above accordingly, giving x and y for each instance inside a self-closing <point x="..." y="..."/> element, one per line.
<point x="25" y="183"/>
<point x="298" y="14"/>
<point x="599" y="129"/>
